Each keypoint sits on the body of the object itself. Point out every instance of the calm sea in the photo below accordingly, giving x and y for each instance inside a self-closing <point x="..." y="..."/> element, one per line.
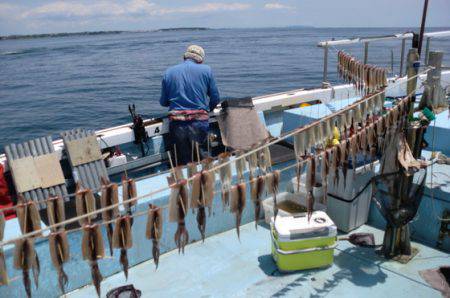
<point x="48" y="85"/>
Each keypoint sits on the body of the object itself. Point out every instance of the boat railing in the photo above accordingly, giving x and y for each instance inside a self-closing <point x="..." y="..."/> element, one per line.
<point x="366" y="40"/>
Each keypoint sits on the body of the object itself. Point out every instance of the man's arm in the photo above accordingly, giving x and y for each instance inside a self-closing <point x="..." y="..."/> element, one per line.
<point x="213" y="93"/>
<point x="164" y="99"/>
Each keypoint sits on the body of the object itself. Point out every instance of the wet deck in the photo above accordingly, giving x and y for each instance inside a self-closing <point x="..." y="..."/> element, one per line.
<point x="223" y="266"/>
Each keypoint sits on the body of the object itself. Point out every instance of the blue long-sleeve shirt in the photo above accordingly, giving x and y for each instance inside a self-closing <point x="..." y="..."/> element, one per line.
<point x="187" y="86"/>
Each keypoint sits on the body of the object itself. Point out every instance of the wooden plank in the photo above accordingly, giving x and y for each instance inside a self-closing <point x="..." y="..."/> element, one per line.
<point x="25" y="174"/>
<point x="49" y="169"/>
<point x="82" y="151"/>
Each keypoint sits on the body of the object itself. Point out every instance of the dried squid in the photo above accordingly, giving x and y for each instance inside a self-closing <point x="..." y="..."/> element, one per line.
<point x="25" y="259"/>
<point x="325" y="169"/>
<point x="55" y="211"/>
<point x="225" y="177"/>
<point x="129" y="191"/>
<point x="178" y="208"/>
<point x="310" y="183"/>
<point x="28" y="216"/>
<point x="123" y="239"/>
<point x="109" y="197"/>
<point x="154" y="230"/>
<point x="256" y="190"/>
<point x="92" y="250"/>
<point x="59" y="253"/>
<point x="202" y="197"/>
<point x="84" y="204"/>
<point x="354" y="151"/>
<point x="273" y="181"/>
<point x="264" y="158"/>
<point x="237" y="204"/>
<point x="240" y="167"/>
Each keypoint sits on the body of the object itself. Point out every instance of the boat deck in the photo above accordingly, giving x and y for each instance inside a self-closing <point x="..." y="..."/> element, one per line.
<point x="223" y="266"/>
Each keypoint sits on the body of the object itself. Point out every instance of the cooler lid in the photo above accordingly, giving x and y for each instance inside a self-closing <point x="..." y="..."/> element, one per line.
<point x="297" y="226"/>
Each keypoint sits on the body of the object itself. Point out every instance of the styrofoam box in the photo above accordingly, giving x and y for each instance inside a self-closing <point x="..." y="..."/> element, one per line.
<point x="346" y="210"/>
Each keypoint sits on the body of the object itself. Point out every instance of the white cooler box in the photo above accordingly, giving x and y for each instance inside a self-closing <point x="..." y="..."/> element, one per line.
<point x="299" y="244"/>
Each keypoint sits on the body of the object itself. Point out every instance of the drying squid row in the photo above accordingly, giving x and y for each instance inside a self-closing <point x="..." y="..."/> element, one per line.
<point x="366" y="78"/>
<point x="323" y="150"/>
<point x="357" y="135"/>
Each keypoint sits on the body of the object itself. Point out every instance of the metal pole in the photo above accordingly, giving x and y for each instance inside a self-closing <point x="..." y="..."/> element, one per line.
<point x="427" y="50"/>
<point x="412" y="69"/>
<point x="366" y="52"/>
<point x="422" y="25"/>
<point x="402" y="57"/>
<point x="392" y="60"/>
<point x="325" y="63"/>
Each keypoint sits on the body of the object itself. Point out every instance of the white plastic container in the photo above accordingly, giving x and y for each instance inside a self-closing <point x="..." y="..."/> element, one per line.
<point x="348" y="205"/>
<point x="117" y="160"/>
<point x="286" y="196"/>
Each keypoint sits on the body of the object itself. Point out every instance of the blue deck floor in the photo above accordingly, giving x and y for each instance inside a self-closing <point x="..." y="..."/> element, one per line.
<point x="223" y="267"/>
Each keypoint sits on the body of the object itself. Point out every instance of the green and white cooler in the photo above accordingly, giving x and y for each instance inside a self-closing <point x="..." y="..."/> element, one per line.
<point x="298" y="244"/>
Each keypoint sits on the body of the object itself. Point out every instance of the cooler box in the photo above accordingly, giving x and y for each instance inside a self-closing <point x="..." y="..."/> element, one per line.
<point x="298" y="244"/>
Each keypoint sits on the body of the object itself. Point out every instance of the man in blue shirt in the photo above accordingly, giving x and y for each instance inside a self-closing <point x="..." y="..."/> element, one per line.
<point x="189" y="90"/>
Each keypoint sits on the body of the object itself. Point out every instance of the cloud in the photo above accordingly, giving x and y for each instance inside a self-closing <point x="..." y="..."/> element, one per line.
<point x="276" y="5"/>
<point x="130" y="8"/>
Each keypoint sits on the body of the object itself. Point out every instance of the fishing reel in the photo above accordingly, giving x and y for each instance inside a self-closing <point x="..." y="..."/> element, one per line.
<point x="140" y="134"/>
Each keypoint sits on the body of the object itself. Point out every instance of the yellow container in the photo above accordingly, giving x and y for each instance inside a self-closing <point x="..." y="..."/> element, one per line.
<point x="299" y="244"/>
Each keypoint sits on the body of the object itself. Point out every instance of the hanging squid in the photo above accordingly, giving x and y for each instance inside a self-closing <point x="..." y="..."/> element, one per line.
<point x="240" y="167"/>
<point x="59" y="253"/>
<point x="25" y="259"/>
<point x="325" y="169"/>
<point x="353" y="151"/>
<point x="192" y="169"/>
<point x="310" y="183"/>
<point x="84" y="204"/>
<point x="256" y="190"/>
<point x="178" y="207"/>
<point x="273" y="181"/>
<point x="123" y="239"/>
<point x="92" y="250"/>
<point x="109" y="197"/>
<point x="28" y="216"/>
<point x="225" y="177"/>
<point x="154" y="230"/>
<point x="264" y="158"/>
<point x="129" y="191"/>
<point x="202" y="197"/>
<point x="252" y="160"/>
<point x="55" y="211"/>
<point x="345" y="151"/>
<point x="237" y="204"/>
<point x="299" y="170"/>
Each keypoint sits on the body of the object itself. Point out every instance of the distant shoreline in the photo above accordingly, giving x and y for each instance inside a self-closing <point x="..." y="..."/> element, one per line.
<point x="88" y="33"/>
<point x="113" y="32"/>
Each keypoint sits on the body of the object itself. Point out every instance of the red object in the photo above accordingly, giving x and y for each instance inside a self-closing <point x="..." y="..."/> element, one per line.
<point x="5" y="197"/>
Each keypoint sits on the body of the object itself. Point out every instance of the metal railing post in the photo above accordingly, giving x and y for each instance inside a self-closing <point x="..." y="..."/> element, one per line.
<point x="366" y="52"/>
<point x="402" y="57"/>
<point x="325" y="63"/>
<point x="427" y="50"/>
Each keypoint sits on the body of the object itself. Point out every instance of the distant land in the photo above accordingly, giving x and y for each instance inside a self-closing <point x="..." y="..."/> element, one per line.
<point x="65" y="34"/>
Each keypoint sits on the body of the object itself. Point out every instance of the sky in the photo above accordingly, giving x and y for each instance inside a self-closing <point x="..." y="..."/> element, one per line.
<point x="45" y="16"/>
